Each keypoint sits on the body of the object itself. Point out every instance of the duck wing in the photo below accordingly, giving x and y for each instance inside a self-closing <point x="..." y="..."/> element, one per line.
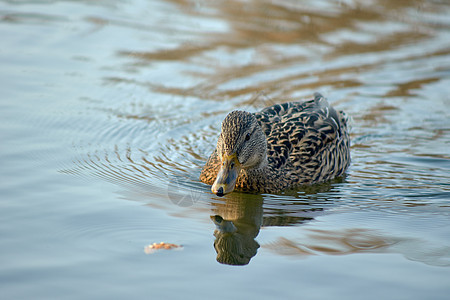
<point x="305" y="139"/>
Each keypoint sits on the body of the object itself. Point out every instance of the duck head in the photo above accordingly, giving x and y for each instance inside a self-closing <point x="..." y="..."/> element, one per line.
<point x="242" y="145"/>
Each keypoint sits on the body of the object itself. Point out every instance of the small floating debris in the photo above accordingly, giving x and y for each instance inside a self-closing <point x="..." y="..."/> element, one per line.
<point x="161" y="246"/>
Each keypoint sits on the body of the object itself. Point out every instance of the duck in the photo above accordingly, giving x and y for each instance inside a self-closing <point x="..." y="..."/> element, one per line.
<point x="283" y="146"/>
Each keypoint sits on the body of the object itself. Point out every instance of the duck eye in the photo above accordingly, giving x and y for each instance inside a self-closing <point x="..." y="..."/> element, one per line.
<point x="247" y="137"/>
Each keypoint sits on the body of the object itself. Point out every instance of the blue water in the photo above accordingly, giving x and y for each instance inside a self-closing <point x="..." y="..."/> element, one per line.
<point x="109" y="109"/>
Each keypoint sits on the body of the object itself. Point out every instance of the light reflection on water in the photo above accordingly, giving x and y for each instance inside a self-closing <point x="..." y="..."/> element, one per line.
<point x="133" y="93"/>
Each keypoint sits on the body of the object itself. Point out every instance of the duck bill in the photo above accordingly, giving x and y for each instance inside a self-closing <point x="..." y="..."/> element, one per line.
<point x="227" y="176"/>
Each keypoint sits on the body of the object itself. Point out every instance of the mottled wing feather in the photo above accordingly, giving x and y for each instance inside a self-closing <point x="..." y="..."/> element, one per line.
<point x="300" y="135"/>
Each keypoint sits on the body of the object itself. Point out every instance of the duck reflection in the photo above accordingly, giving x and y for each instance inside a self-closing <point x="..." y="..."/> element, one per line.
<point x="238" y="220"/>
<point x="239" y="216"/>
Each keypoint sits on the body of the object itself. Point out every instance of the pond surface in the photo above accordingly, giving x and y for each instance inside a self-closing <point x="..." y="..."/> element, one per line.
<point x="109" y="109"/>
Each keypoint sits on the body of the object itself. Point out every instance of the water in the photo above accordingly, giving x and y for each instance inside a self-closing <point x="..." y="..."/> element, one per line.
<point x="109" y="109"/>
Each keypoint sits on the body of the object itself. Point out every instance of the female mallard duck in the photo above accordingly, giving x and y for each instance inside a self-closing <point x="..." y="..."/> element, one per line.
<point x="283" y="146"/>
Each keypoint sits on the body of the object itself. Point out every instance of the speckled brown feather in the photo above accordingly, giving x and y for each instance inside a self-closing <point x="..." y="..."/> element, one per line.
<point x="307" y="143"/>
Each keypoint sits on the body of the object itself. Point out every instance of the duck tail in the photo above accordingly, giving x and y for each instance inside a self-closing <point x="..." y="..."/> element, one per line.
<point x="318" y="96"/>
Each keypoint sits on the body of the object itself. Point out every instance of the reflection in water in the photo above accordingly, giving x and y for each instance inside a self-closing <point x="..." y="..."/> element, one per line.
<point x="239" y="216"/>
<point x="238" y="220"/>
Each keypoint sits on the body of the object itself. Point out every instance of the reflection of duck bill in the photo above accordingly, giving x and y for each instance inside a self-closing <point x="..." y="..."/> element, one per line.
<point x="227" y="176"/>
